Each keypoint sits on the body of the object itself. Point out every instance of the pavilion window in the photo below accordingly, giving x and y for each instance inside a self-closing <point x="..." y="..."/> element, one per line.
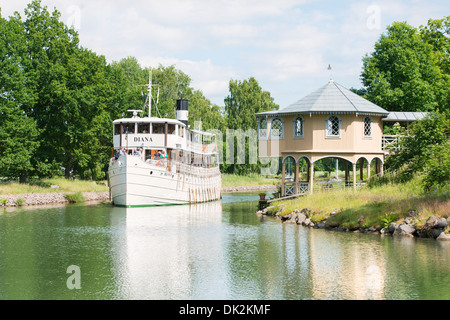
<point x="299" y="124"/>
<point x="367" y="127"/>
<point x="333" y="127"/>
<point x="262" y="128"/>
<point x="277" y="129"/>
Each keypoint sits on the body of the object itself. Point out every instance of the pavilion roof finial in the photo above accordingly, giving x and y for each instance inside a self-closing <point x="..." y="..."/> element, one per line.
<point x="330" y="71"/>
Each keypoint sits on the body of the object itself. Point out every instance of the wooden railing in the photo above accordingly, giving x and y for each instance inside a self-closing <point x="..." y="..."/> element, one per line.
<point x="390" y="142"/>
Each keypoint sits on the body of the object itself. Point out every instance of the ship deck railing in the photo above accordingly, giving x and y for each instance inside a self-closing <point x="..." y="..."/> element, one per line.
<point x="174" y="166"/>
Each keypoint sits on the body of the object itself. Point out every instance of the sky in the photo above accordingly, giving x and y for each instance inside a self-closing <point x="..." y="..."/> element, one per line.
<point x="286" y="45"/>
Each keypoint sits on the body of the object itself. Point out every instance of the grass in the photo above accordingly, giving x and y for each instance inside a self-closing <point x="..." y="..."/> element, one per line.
<point x="75" y="197"/>
<point x="233" y="180"/>
<point x="72" y="186"/>
<point x="45" y="186"/>
<point x="377" y="206"/>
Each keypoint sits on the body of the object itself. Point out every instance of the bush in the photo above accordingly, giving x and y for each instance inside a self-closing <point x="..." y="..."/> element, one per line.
<point x="20" y="202"/>
<point x="387" y="219"/>
<point x="75" y="197"/>
<point x="437" y="168"/>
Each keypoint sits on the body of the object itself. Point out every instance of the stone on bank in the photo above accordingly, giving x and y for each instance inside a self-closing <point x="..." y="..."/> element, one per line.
<point x="435" y="227"/>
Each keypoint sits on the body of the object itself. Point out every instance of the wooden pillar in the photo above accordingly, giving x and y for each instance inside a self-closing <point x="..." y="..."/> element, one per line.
<point x="296" y="176"/>
<point x="308" y="165"/>
<point x="311" y="178"/>
<point x="346" y="173"/>
<point x="283" y="178"/>
<point x="354" y="176"/>
<point x="361" y="165"/>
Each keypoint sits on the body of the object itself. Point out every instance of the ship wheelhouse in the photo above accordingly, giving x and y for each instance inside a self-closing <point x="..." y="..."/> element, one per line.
<point x="153" y="135"/>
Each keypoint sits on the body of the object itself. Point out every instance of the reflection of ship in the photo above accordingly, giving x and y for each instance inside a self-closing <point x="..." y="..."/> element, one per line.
<point x="161" y="251"/>
<point x="160" y="161"/>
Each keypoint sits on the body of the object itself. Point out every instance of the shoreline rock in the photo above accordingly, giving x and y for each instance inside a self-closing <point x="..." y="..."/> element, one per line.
<point x="435" y="227"/>
<point x="262" y="187"/>
<point x="36" y="199"/>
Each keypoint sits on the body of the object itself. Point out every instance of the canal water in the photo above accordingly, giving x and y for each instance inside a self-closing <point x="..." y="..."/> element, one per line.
<point x="218" y="250"/>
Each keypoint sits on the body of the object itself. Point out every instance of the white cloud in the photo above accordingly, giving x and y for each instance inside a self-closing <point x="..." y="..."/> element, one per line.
<point x="286" y="44"/>
<point x="211" y="79"/>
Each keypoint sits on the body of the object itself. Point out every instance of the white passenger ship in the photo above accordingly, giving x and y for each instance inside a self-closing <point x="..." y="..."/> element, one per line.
<point x="162" y="161"/>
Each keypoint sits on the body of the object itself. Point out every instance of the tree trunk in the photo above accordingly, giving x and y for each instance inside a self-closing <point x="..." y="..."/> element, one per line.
<point x="23" y="177"/>
<point x="67" y="171"/>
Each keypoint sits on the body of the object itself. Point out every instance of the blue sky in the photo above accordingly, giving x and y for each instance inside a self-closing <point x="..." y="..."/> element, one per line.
<point x="285" y="44"/>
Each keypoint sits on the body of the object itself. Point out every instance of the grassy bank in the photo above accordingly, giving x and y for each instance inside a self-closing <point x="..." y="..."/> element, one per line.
<point x="377" y="206"/>
<point x="73" y="186"/>
<point x="232" y="180"/>
<point x="52" y="185"/>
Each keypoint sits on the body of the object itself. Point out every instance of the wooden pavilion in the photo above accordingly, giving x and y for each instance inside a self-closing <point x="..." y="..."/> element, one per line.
<point x="331" y="122"/>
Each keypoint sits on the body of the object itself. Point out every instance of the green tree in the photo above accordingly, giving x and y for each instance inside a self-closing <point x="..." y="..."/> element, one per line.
<point x="244" y="100"/>
<point x="18" y="133"/>
<point x="131" y="79"/>
<point x="408" y="69"/>
<point x="437" y="167"/>
<point x="200" y="109"/>
<point x="172" y="84"/>
<point x="73" y="92"/>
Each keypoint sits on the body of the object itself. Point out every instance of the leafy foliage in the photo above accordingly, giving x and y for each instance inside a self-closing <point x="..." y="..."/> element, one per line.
<point x="58" y="99"/>
<point x="437" y="167"/>
<point x="244" y="100"/>
<point x="424" y="149"/>
<point x="409" y="69"/>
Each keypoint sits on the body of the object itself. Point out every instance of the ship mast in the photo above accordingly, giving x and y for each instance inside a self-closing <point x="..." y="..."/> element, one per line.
<point x="150" y="93"/>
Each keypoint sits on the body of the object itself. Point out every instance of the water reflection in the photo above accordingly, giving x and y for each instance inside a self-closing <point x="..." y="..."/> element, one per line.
<point x="217" y="250"/>
<point x="168" y="252"/>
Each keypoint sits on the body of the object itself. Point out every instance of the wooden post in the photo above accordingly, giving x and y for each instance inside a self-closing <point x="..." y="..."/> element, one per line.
<point x="283" y="177"/>
<point x="311" y="178"/>
<point x="354" y="176"/>
<point x="361" y="165"/>
<point x="346" y="173"/>
<point x="308" y="171"/>
<point x="296" y="176"/>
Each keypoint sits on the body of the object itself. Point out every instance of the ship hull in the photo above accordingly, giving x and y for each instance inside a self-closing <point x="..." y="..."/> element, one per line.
<point x="136" y="183"/>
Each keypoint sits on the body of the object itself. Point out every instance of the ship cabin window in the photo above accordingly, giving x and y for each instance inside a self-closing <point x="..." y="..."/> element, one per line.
<point x="181" y="131"/>
<point x="158" y="128"/>
<point x="117" y="129"/>
<point x="129" y="128"/>
<point x="149" y="154"/>
<point x="143" y="127"/>
<point x="170" y="128"/>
